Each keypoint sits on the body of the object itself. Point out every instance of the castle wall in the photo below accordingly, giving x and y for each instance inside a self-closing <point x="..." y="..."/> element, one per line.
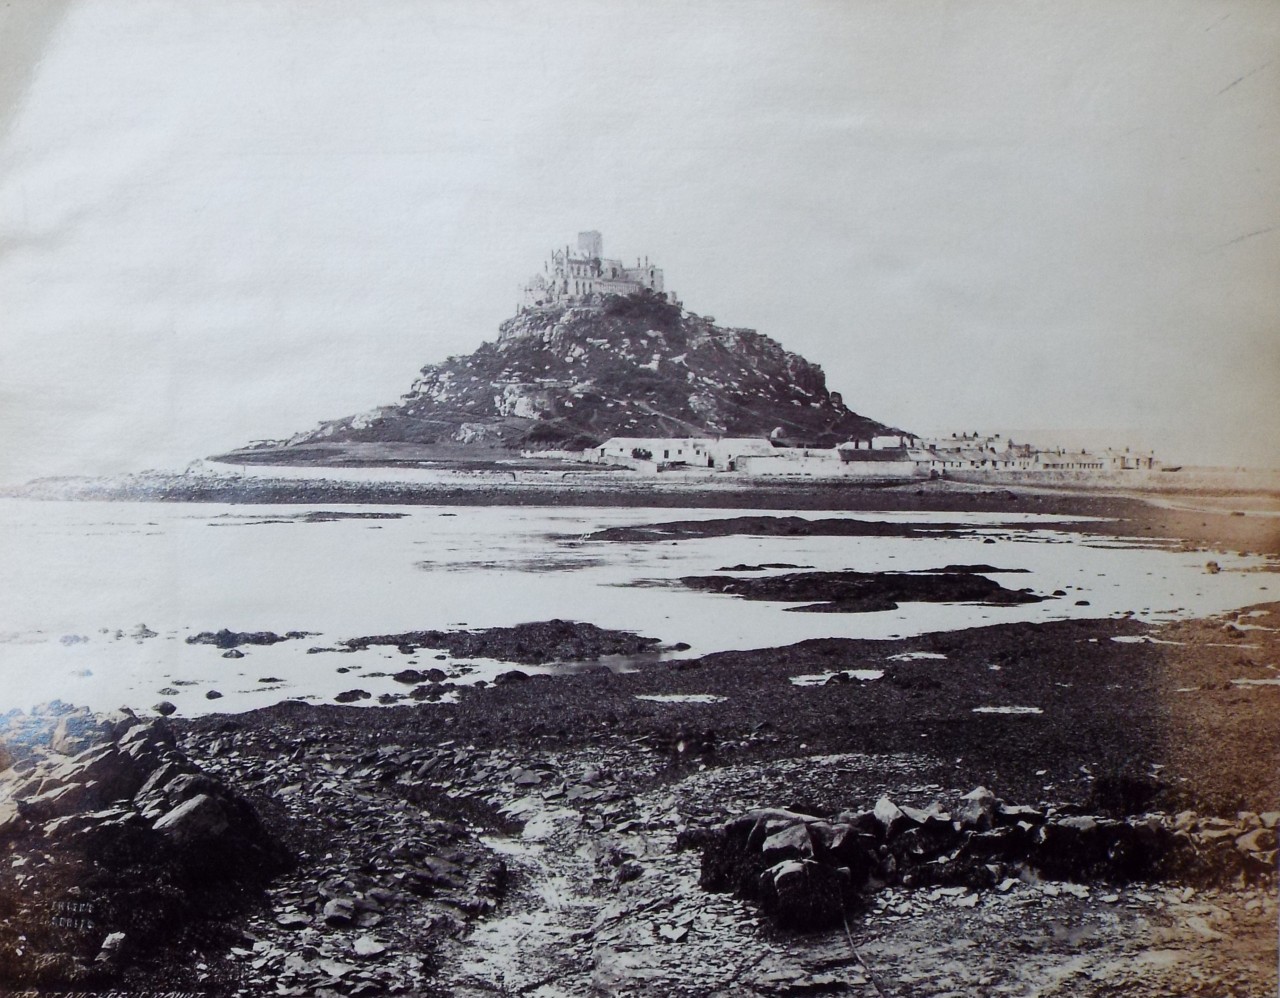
<point x="570" y="277"/>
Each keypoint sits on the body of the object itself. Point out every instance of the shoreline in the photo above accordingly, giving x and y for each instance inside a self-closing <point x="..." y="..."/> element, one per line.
<point x="1124" y="513"/>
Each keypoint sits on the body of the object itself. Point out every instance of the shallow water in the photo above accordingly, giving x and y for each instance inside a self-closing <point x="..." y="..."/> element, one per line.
<point x="81" y="576"/>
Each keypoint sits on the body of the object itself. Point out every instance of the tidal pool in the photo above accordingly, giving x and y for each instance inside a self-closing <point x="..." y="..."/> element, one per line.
<point x="81" y="577"/>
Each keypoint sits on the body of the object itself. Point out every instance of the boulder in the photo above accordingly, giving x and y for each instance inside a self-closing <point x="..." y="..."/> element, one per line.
<point x="1013" y="814"/>
<point x="199" y="819"/>
<point x="891" y="818"/>
<point x="861" y="821"/>
<point x="1139" y="849"/>
<point x="792" y="842"/>
<point x="156" y="779"/>
<point x="147" y="741"/>
<point x="932" y="814"/>
<point x="74" y="733"/>
<point x="854" y="850"/>
<point x="770" y="822"/>
<point x="11" y="820"/>
<point x="111" y="947"/>
<point x="977" y="810"/>
<point x="112" y="774"/>
<point x="743" y="825"/>
<point x="803" y="894"/>
<point x="1008" y="842"/>
<point x="925" y="842"/>
<point x="56" y="803"/>
<point x="1256" y="841"/>
<point x="368" y="946"/>
<point x="339" y="911"/>
<point x="184" y="786"/>
<point x="1070" y="848"/>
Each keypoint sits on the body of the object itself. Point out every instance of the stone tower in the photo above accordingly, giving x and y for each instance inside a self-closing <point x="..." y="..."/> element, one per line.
<point x="590" y="245"/>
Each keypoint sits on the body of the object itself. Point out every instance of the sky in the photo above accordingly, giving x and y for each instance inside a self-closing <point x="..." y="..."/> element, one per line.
<point x="227" y="222"/>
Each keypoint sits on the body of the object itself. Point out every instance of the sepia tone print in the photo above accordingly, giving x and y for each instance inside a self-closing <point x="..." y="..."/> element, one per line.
<point x="406" y="591"/>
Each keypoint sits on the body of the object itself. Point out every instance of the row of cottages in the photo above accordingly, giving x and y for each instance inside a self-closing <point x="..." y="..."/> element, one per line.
<point x="656" y="453"/>
<point x="1125" y="461"/>
<point x="1025" y="457"/>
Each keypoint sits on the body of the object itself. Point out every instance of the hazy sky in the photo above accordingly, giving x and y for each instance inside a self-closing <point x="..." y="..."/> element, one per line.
<point x="228" y="221"/>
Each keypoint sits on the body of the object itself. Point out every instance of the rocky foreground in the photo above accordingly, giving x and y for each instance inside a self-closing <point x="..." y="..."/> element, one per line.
<point x="697" y="828"/>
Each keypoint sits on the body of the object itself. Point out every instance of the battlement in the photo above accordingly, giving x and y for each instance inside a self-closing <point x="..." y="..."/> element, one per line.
<point x="581" y="274"/>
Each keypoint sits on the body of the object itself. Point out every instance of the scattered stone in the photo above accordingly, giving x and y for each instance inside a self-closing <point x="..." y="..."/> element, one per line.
<point x="339" y="911"/>
<point x="367" y="946"/>
<point x="233" y="653"/>
<point x="351" y="696"/>
<point x="111" y="946"/>
<point x="213" y="695"/>
<point x="164" y="708"/>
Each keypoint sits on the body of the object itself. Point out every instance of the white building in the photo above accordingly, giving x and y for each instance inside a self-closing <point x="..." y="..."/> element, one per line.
<point x="670" y="452"/>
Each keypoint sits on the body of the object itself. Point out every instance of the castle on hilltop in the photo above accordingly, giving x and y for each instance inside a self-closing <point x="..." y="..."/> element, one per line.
<point x="570" y="278"/>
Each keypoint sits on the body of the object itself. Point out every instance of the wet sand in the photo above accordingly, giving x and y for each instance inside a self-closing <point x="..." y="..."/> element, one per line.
<point x="1193" y="518"/>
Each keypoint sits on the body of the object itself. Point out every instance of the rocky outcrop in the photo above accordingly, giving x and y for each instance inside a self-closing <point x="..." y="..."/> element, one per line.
<point x="232" y="640"/>
<point x="806" y="871"/>
<point x="571" y="377"/>
<point x="123" y="844"/>
<point x="864" y="592"/>
<point x="530" y="644"/>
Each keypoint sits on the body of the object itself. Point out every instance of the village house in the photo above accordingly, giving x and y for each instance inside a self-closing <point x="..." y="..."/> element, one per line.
<point x="978" y="452"/>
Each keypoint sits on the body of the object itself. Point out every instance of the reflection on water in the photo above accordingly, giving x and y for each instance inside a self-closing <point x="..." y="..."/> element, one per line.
<point x="81" y="578"/>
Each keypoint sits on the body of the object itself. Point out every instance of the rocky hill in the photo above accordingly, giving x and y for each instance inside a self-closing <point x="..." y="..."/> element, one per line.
<point x="570" y="377"/>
